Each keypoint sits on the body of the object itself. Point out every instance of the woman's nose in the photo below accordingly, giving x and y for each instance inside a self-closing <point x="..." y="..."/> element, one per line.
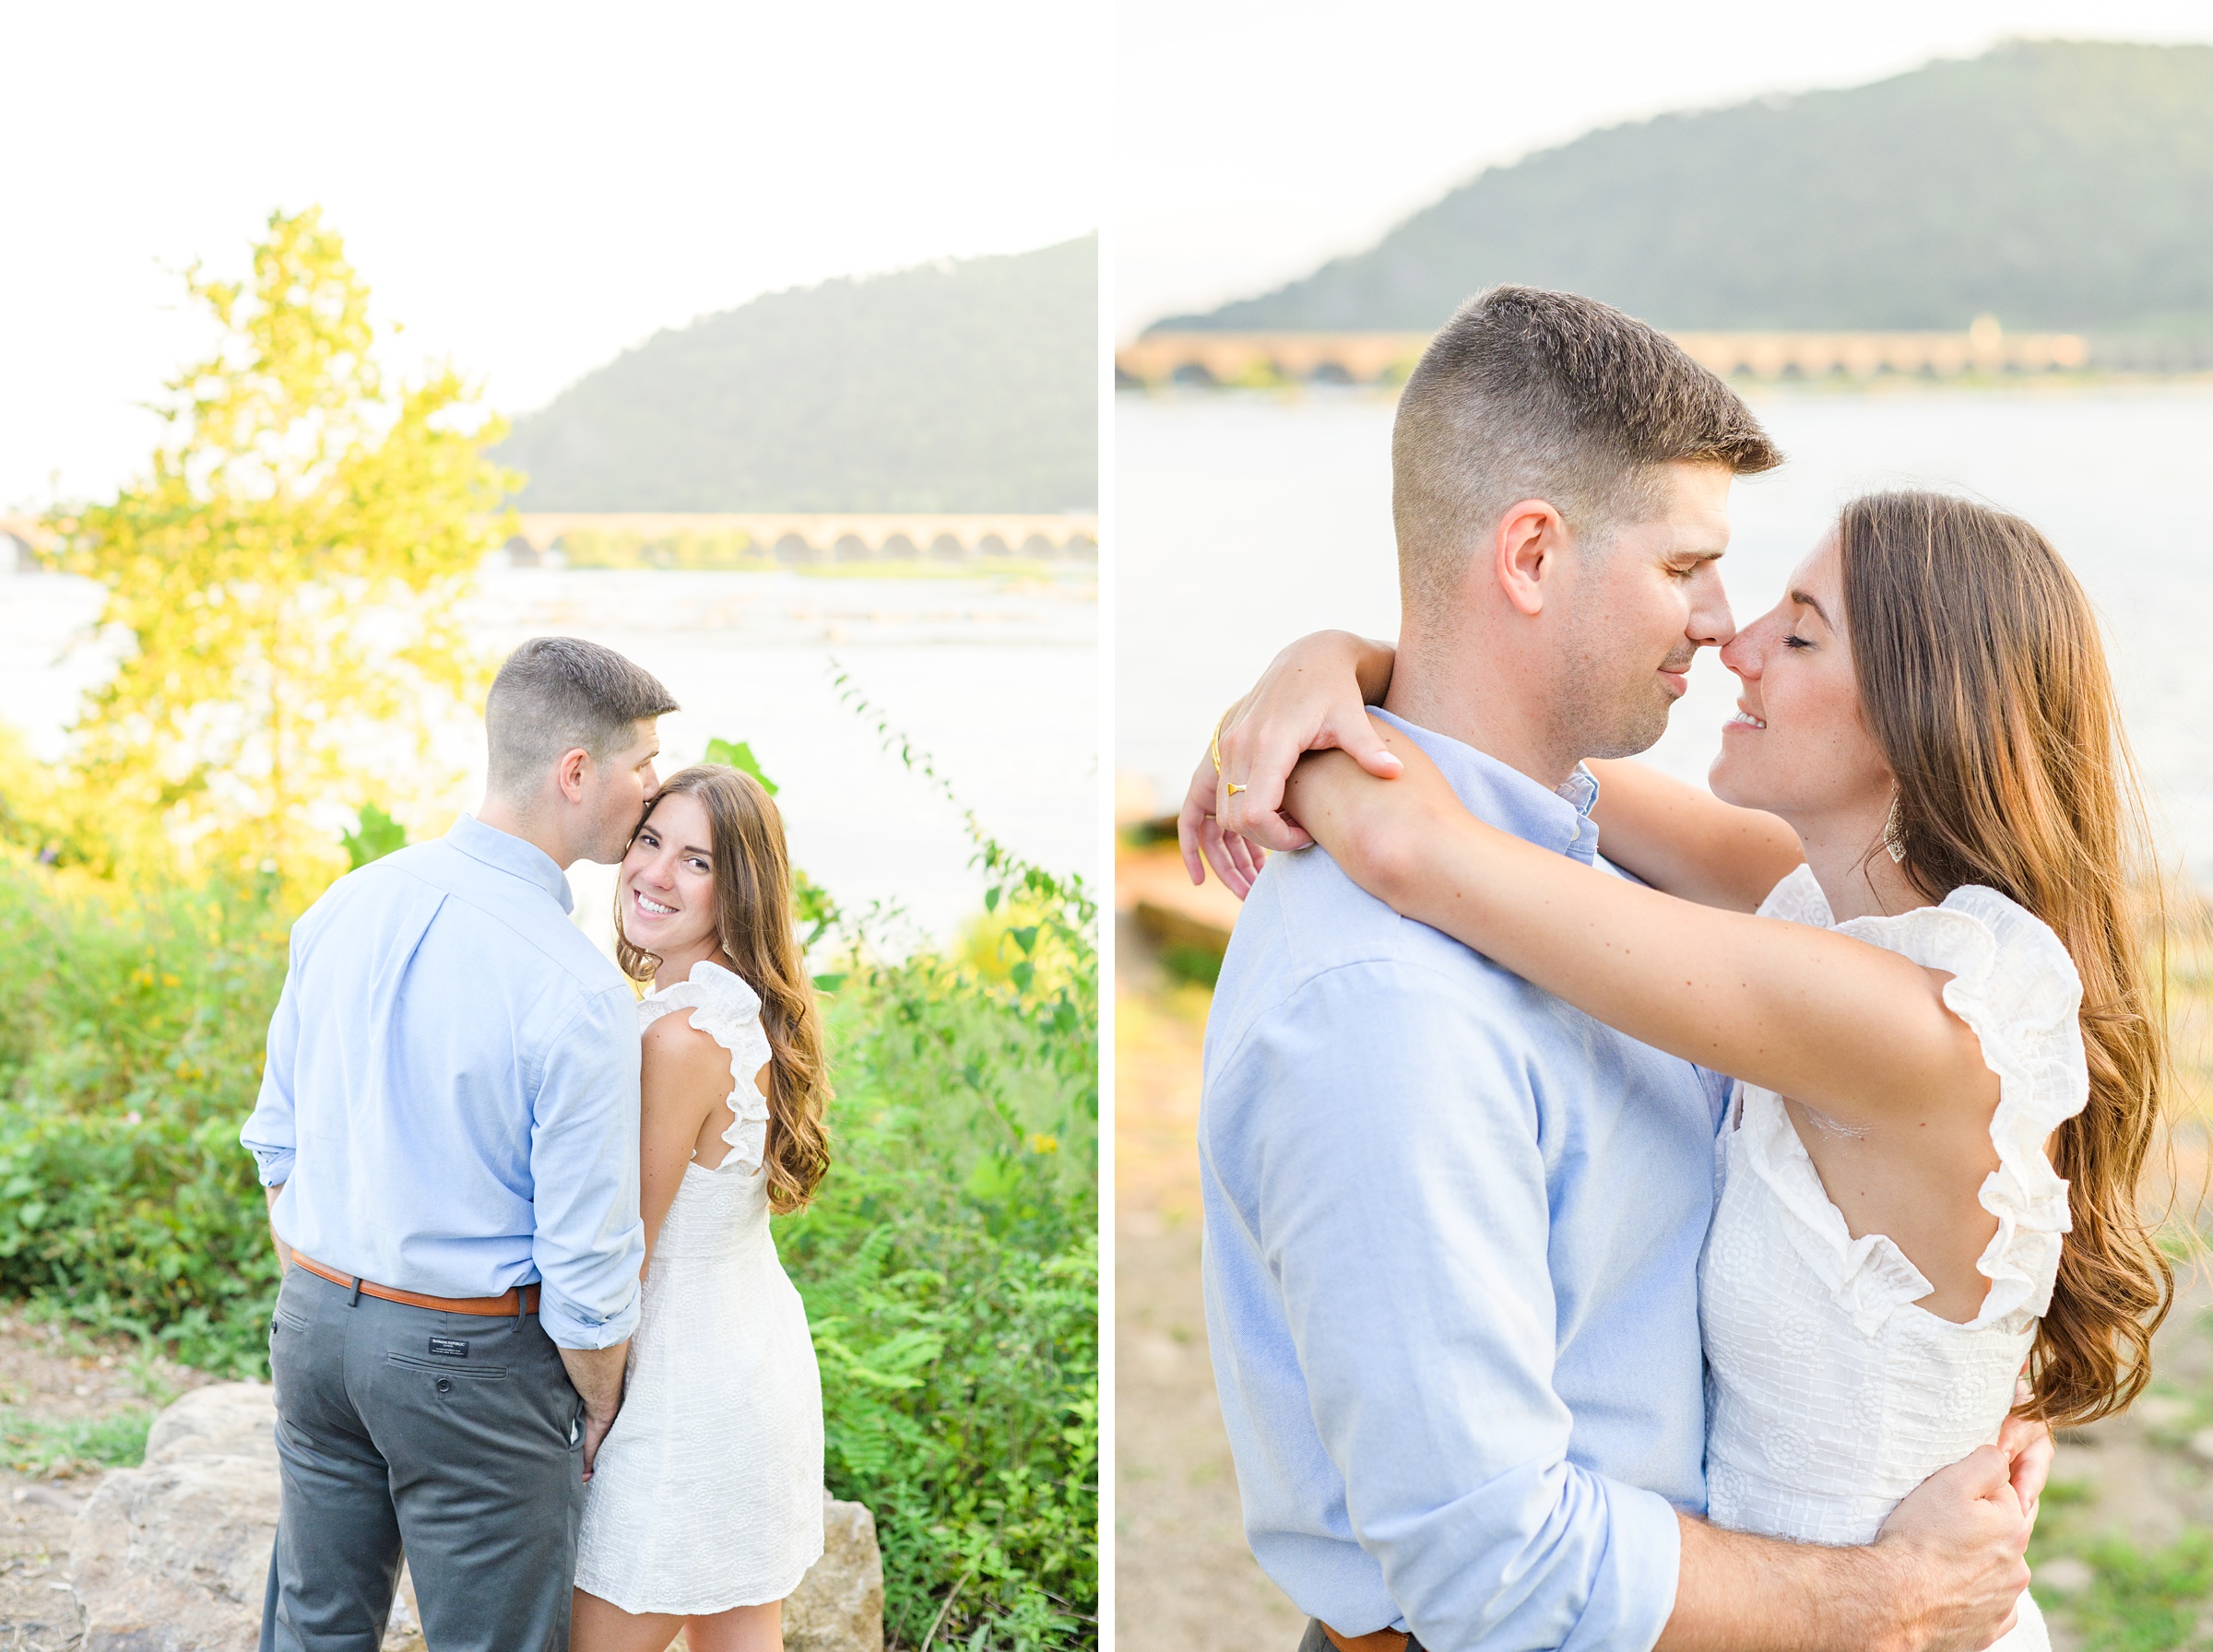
<point x="1741" y="654"/>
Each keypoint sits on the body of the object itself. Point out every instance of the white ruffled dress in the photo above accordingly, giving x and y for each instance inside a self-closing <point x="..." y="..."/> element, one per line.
<point x="1831" y="1394"/>
<point x="707" y="1493"/>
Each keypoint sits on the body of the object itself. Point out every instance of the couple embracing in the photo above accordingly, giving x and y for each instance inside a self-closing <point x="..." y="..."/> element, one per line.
<point x="476" y="1139"/>
<point x="1644" y="1217"/>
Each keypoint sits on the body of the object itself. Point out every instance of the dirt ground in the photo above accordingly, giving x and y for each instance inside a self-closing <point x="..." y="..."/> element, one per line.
<point x="1184" y="1577"/>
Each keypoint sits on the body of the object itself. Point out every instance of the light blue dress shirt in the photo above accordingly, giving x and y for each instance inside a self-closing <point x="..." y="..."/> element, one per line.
<point x="1451" y="1246"/>
<point x="451" y="1095"/>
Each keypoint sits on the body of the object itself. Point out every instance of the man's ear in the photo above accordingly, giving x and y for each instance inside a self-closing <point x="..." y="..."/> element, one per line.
<point x="568" y="773"/>
<point x="1531" y="536"/>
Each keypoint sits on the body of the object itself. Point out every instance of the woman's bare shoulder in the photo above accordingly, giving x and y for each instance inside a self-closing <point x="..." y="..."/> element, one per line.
<point x="682" y="1059"/>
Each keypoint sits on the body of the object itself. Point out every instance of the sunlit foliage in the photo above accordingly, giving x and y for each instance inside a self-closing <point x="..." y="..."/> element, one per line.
<point x="282" y="580"/>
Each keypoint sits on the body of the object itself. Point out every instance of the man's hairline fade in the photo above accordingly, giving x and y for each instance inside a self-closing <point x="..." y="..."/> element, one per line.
<point x="1528" y="394"/>
<point x="554" y="695"/>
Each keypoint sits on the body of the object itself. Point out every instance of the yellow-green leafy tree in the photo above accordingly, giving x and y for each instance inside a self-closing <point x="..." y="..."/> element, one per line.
<point x="284" y="581"/>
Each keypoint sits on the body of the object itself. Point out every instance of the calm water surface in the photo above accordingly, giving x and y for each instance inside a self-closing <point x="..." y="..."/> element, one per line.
<point x="1245" y="519"/>
<point x="996" y="678"/>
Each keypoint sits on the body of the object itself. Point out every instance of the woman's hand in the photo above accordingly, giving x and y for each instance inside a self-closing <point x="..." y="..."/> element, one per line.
<point x="1375" y="832"/>
<point x="1313" y="696"/>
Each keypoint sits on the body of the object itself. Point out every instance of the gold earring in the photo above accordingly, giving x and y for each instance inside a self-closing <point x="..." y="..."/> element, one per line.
<point x="1894" y="834"/>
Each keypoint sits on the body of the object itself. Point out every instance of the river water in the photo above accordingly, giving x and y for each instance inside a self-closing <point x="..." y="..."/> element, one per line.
<point x="996" y="678"/>
<point x="1245" y="518"/>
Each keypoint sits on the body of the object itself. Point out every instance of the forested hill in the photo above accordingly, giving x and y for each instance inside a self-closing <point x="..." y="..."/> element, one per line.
<point x="961" y="386"/>
<point x="2054" y="184"/>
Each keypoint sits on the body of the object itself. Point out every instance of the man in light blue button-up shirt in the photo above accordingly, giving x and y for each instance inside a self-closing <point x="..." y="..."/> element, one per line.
<point x="450" y="1103"/>
<point x="448" y="1131"/>
<point x="1453" y="1224"/>
<point x="1453" y="1231"/>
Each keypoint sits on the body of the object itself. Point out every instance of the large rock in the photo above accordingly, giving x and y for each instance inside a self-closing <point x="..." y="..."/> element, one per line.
<point x="838" y="1606"/>
<point x="174" y="1556"/>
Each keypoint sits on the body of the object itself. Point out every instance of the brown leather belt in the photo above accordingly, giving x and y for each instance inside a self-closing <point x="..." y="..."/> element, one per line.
<point x="509" y="1304"/>
<point x="1380" y="1640"/>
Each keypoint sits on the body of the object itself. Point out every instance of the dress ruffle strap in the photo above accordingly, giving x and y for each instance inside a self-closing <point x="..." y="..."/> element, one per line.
<point x="724" y="1007"/>
<point x="2014" y="984"/>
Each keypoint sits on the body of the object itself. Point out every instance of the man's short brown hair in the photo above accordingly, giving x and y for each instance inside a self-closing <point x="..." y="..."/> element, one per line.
<point x="555" y="694"/>
<point x="1528" y="394"/>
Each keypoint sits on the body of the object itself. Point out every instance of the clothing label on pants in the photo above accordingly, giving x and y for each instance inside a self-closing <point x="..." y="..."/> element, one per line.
<point x="447" y="1345"/>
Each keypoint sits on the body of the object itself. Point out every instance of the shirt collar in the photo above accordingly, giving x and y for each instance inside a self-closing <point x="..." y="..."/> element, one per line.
<point x="506" y="853"/>
<point x="1509" y="799"/>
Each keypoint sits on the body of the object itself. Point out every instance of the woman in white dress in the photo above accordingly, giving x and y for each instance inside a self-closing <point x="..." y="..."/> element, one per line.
<point x="705" y="1506"/>
<point x="1950" y="1060"/>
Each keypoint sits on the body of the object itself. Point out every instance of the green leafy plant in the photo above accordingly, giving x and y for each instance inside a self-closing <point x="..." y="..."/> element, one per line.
<point x="130" y="1049"/>
<point x="376" y="836"/>
<point x="739" y="754"/>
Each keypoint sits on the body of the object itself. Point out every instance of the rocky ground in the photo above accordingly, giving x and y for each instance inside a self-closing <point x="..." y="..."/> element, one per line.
<point x="65" y="1398"/>
<point x="2123" y="1554"/>
<point x="184" y="1543"/>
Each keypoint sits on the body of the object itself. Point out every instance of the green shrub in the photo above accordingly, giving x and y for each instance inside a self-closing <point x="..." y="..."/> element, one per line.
<point x="951" y="1273"/>
<point x="130" y="1051"/>
<point x="951" y="1263"/>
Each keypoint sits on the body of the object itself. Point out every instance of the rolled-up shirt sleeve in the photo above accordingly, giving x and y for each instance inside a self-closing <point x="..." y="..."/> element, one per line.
<point x="1381" y="1137"/>
<point x="270" y="1132"/>
<point x="588" y="1244"/>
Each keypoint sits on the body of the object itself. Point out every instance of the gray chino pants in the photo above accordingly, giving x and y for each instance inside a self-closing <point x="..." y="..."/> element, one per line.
<point x="472" y="1461"/>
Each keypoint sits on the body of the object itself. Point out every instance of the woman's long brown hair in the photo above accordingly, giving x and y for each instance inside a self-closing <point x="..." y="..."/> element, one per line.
<point x="752" y="923"/>
<point x="1984" y="680"/>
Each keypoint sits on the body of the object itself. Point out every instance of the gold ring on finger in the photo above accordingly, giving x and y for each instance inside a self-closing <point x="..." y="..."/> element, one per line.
<point x="1233" y="787"/>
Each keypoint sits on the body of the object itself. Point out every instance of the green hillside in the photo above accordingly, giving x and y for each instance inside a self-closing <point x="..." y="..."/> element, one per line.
<point x="959" y="386"/>
<point x="2054" y="184"/>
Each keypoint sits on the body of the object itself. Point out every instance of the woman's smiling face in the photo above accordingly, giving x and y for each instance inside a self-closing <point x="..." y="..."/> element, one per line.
<point x="1798" y="746"/>
<point x="669" y="879"/>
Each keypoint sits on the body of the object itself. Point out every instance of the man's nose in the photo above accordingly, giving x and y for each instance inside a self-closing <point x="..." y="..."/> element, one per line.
<point x="1711" y="623"/>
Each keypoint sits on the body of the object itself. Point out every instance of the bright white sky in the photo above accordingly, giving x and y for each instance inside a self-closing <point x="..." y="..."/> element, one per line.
<point x="530" y="188"/>
<point x="1256" y="139"/>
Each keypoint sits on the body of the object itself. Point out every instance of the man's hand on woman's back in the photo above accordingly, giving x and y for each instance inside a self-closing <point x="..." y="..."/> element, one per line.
<point x="1944" y="1574"/>
<point x="1958" y="1541"/>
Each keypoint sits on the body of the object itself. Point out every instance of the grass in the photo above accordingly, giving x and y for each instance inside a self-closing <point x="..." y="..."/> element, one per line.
<point x="2139" y="1602"/>
<point x="39" y="1446"/>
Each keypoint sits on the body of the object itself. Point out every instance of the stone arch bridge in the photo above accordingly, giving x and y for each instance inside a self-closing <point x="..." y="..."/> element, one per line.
<point x="1260" y="359"/>
<point x="801" y="538"/>
<point x="788" y="536"/>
